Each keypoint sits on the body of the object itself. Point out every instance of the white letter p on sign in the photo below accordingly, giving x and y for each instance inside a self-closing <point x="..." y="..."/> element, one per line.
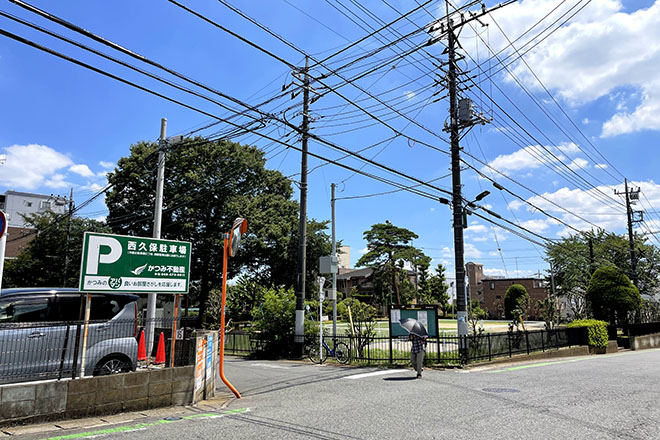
<point x="94" y="255"/>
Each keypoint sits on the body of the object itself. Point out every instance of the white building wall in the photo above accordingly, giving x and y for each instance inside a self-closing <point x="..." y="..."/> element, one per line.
<point x="18" y="204"/>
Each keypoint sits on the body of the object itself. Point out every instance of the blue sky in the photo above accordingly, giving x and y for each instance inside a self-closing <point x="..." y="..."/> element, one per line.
<point x="62" y="126"/>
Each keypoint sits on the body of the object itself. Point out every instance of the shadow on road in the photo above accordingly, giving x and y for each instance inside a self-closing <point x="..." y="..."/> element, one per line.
<point x="399" y="378"/>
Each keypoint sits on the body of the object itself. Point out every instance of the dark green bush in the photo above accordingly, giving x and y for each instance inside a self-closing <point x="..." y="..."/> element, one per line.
<point x="596" y="331"/>
<point x="515" y="298"/>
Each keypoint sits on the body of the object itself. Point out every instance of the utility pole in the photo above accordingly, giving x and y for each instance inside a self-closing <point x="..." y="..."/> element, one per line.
<point x="457" y="198"/>
<point x="299" y="337"/>
<point x="334" y="257"/>
<point x="461" y="116"/>
<point x="591" y="256"/>
<point x="631" y="198"/>
<point x="66" y="243"/>
<point x="158" y="212"/>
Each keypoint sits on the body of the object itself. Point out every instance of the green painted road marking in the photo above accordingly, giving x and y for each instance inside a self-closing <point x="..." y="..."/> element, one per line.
<point x="143" y="426"/>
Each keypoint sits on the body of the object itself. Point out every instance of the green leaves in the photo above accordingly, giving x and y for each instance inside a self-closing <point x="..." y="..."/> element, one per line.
<point x="52" y="258"/>
<point x="611" y="295"/>
<point x="387" y="247"/>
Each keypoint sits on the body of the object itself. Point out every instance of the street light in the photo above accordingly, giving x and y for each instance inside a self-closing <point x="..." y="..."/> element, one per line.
<point x="232" y="241"/>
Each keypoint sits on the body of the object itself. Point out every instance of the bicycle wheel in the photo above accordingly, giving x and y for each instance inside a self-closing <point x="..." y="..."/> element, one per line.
<point x="342" y="352"/>
<point x="313" y="353"/>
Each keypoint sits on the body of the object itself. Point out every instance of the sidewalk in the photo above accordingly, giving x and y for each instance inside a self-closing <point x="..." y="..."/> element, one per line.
<point x="65" y="427"/>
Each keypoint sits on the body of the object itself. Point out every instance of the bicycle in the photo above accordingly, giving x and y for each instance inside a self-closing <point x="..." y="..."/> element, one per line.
<point x="340" y="351"/>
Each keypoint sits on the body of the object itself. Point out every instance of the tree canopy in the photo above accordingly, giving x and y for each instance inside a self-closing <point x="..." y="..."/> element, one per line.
<point x="611" y="295"/>
<point x="50" y="260"/>
<point x="516" y="300"/>
<point x="571" y="261"/>
<point x="207" y="185"/>
<point x="388" y="247"/>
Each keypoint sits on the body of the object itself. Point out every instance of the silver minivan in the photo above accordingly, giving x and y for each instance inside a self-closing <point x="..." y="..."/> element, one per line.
<point x="41" y="334"/>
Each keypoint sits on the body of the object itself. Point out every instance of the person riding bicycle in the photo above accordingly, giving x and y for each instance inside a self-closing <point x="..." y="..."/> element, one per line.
<point x="417" y="353"/>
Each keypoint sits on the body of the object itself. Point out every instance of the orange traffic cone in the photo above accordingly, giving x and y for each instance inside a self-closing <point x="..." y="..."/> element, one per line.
<point x="142" y="350"/>
<point x="160" y="353"/>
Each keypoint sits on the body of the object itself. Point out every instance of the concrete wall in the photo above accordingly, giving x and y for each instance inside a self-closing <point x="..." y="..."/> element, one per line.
<point x="96" y="395"/>
<point x="644" y="342"/>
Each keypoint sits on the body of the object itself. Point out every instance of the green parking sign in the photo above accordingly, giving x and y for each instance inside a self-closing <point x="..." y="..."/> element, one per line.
<point x="118" y="263"/>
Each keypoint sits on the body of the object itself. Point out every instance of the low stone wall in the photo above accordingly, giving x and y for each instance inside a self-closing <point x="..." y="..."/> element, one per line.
<point x="96" y="395"/>
<point x="644" y="342"/>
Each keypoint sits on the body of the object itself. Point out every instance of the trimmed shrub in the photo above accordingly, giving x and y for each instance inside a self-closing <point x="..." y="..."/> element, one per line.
<point x="596" y="331"/>
<point x="611" y="295"/>
<point x="516" y="297"/>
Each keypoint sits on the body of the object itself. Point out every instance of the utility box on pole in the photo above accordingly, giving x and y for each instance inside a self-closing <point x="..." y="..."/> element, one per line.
<point x="329" y="264"/>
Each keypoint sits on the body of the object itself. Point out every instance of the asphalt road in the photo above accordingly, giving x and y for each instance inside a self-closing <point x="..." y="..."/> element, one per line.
<point x="594" y="397"/>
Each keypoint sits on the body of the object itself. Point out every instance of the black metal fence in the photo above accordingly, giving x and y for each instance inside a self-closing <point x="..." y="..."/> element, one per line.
<point x="443" y="350"/>
<point x="642" y="329"/>
<point x="488" y="346"/>
<point x="54" y="350"/>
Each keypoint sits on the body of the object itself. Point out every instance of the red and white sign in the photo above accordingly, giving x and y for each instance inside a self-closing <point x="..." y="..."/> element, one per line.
<point x="3" y="223"/>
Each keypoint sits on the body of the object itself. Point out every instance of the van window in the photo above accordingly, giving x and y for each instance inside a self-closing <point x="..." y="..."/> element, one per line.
<point x="106" y="307"/>
<point x="102" y="308"/>
<point x="68" y="308"/>
<point x="24" y="310"/>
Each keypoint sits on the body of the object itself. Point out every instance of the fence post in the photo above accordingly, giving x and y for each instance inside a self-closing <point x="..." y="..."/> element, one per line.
<point x="527" y="341"/>
<point x="391" y="349"/>
<point x="490" y="358"/>
<point x="557" y="338"/>
<point x="508" y="337"/>
<point x="438" y="344"/>
<point x="542" y="342"/>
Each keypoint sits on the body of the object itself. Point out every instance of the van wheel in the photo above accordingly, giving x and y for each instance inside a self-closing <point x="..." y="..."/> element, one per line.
<point x="112" y="364"/>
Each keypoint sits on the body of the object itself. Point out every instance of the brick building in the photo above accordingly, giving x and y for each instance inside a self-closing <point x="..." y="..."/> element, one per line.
<point x="494" y="290"/>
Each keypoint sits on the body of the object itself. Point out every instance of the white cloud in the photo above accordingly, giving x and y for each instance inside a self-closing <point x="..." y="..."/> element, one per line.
<point x="514" y="205"/>
<point x="81" y="169"/>
<point x="597" y="54"/>
<point x="586" y="121"/>
<point x="56" y="181"/>
<point x="601" y="166"/>
<point x="537" y="226"/>
<point x="409" y="95"/>
<point x="526" y="159"/>
<point x="472" y="252"/>
<point x="106" y="165"/>
<point x="363" y="251"/>
<point x="491" y="272"/>
<point x="588" y="205"/>
<point x="578" y="164"/>
<point x="30" y="166"/>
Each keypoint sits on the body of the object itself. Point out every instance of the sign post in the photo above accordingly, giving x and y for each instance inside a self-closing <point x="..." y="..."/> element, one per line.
<point x="3" y="243"/>
<point x="118" y="263"/>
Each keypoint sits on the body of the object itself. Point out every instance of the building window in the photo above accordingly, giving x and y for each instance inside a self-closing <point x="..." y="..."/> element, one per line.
<point x="45" y="204"/>
<point x="492" y="286"/>
<point x="498" y="297"/>
<point x="28" y="204"/>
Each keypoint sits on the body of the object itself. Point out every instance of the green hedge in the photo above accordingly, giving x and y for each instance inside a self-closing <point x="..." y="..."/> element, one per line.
<point x="596" y="331"/>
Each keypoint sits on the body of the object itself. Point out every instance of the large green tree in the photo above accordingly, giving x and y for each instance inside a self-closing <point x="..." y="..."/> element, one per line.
<point x="573" y="266"/>
<point x="52" y="258"/>
<point x="612" y="296"/>
<point x="388" y="246"/>
<point x="207" y="185"/>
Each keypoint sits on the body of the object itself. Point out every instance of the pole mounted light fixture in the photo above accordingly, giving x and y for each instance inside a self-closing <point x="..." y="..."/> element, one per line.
<point x="232" y="241"/>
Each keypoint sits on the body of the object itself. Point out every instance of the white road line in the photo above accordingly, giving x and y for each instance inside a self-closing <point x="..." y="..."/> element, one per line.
<point x="375" y="373"/>
<point x="270" y="366"/>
